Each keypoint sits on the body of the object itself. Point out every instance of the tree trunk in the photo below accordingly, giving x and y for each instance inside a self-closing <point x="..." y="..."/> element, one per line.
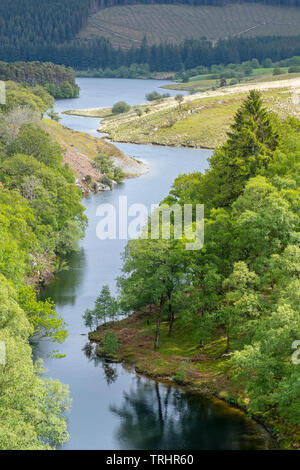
<point x="228" y="341"/>
<point x="160" y="413"/>
<point x="171" y="320"/>
<point x="158" y="323"/>
<point x="167" y="402"/>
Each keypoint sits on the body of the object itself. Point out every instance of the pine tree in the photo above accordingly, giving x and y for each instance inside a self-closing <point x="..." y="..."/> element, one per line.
<point x="249" y="149"/>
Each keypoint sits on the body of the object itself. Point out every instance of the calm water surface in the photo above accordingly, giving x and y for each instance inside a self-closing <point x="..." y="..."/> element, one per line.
<point x="112" y="407"/>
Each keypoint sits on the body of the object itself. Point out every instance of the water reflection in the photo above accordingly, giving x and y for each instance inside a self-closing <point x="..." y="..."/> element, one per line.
<point x="110" y="370"/>
<point x="156" y="416"/>
<point x="65" y="287"/>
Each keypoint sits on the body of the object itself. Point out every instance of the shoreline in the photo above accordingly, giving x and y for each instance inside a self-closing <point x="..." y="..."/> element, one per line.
<point x="178" y="146"/>
<point x="207" y="393"/>
<point x="212" y="381"/>
<point x="80" y="150"/>
<point x="200" y="121"/>
<point x="75" y="143"/>
<point x="211" y="395"/>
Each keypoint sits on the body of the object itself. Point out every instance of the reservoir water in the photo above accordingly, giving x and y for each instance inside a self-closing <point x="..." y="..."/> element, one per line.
<point x="113" y="407"/>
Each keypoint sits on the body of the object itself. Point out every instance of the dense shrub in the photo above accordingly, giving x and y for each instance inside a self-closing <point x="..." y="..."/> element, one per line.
<point x="120" y="107"/>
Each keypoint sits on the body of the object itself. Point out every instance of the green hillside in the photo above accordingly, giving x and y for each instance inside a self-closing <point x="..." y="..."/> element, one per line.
<point x="126" y="25"/>
<point x="86" y="34"/>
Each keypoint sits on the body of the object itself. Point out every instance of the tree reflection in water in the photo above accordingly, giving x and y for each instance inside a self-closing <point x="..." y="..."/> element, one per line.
<point x="110" y="372"/>
<point x="156" y="416"/>
<point x="64" y="289"/>
<point x="109" y="369"/>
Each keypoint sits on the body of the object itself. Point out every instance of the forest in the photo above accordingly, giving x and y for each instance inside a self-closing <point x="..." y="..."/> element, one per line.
<point x="31" y="21"/>
<point x="58" y="80"/>
<point x="40" y="33"/>
<point x="165" y="57"/>
<point x="41" y="221"/>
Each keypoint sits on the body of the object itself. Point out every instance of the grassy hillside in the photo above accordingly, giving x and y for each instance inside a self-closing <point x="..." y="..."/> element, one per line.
<point x="81" y="149"/>
<point x="126" y="25"/>
<point x="202" y="119"/>
<point x="209" y="82"/>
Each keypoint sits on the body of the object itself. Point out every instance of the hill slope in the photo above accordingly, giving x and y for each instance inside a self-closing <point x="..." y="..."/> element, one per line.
<point x="32" y="30"/>
<point x="126" y="25"/>
<point x="202" y="119"/>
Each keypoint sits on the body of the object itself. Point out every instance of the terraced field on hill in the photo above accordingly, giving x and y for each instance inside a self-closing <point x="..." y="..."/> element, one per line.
<point x="126" y="25"/>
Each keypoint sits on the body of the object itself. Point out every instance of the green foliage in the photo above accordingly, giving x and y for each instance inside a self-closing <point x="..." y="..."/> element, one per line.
<point x="181" y="376"/>
<point x="57" y="80"/>
<point x="153" y="275"/>
<point x="110" y="344"/>
<point x="88" y="317"/>
<point x="277" y="71"/>
<point x="49" y="31"/>
<point x="245" y="282"/>
<point x="106" y="166"/>
<point x="118" y="174"/>
<point x="120" y="107"/>
<point x="34" y="98"/>
<point x="223" y="72"/>
<point x="41" y="220"/>
<point x="267" y="62"/>
<point x="265" y="366"/>
<point x="54" y="201"/>
<point x="103" y="163"/>
<point x="41" y="315"/>
<point x="31" y="408"/>
<point x="54" y="115"/>
<point x="106" y="308"/>
<point x="241" y="303"/>
<point x="251" y="142"/>
<point x="155" y="96"/>
<point x="132" y="71"/>
<point x="34" y="141"/>
<point x="12" y="122"/>
<point x="179" y="98"/>
<point x="62" y="91"/>
<point x="12" y="317"/>
<point x="17" y="237"/>
<point x="138" y="111"/>
<point x="294" y="69"/>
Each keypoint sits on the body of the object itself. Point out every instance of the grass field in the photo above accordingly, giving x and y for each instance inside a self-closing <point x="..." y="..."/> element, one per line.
<point x="202" y="120"/>
<point x="126" y="25"/>
<point x="92" y="112"/>
<point x="86" y="144"/>
<point x="205" y="82"/>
